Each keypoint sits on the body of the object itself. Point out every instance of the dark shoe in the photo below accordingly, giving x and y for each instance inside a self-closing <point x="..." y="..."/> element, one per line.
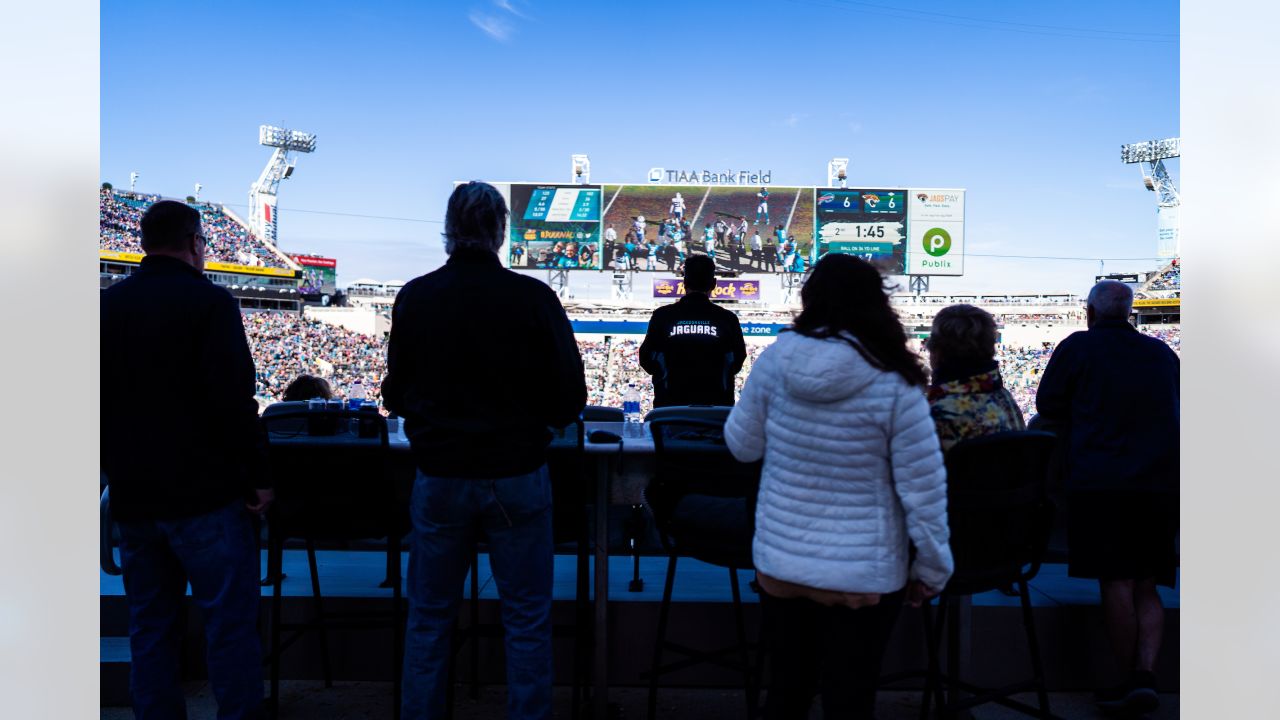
<point x="1135" y="697"/>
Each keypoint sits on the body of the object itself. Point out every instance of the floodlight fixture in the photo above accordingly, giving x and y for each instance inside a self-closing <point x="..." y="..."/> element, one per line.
<point x="837" y="172"/>
<point x="1151" y="150"/>
<point x="581" y="169"/>
<point x="278" y="137"/>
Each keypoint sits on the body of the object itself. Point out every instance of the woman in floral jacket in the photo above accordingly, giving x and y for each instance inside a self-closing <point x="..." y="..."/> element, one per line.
<point x="967" y="397"/>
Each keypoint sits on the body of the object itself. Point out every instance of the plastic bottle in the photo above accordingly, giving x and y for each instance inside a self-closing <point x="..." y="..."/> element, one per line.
<point x="631" y="407"/>
<point x="356" y="394"/>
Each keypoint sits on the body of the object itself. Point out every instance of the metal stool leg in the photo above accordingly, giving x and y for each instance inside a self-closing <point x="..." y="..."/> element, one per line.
<point x="276" y="553"/>
<point x="748" y="682"/>
<point x="661" y="639"/>
<point x="1037" y="665"/>
<point x="474" y="631"/>
<point x="325" y="664"/>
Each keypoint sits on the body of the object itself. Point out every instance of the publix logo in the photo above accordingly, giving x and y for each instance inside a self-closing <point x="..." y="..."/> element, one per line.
<point x="937" y="242"/>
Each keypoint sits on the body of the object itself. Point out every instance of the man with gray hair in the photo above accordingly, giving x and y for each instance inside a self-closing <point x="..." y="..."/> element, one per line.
<point x="1111" y="393"/>
<point x="457" y="334"/>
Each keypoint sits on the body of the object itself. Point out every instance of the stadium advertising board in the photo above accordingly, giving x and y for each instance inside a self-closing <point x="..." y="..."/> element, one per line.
<point x="744" y="229"/>
<point x="554" y="227"/>
<point x="209" y="265"/>
<point x="747" y="290"/>
<point x="871" y="224"/>
<point x="319" y="274"/>
<point x="935" y="228"/>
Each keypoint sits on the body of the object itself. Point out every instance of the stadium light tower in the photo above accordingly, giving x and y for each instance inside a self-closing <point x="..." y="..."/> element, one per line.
<point x="1150" y="157"/>
<point x="263" y="218"/>
<point x="197" y="195"/>
<point x="581" y="169"/>
<point x="837" y="172"/>
<point x="133" y="180"/>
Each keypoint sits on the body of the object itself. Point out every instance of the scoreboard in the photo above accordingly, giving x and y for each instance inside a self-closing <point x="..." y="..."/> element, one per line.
<point x="902" y="231"/>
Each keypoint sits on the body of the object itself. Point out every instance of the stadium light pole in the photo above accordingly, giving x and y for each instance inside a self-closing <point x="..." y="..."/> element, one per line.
<point x="581" y="169"/>
<point x="133" y="180"/>
<point x="197" y="195"/>
<point x="263" y="218"/>
<point x="837" y="172"/>
<point x="1150" y="157"/>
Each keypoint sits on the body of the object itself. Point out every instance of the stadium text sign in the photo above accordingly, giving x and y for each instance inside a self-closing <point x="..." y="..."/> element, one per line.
<point x="724" y="290"/>
<point x="710" y="177"/>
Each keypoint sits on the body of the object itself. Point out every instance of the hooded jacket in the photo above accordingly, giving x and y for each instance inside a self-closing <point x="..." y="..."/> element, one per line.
<point x="852" y="470"/>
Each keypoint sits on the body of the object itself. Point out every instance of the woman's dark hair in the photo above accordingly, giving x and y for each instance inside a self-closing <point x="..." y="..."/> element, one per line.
<point x="476" y="217"/>
<point x="845" y="294"/>
<point x="306" y="387"/>
<point x="963" y="334"/>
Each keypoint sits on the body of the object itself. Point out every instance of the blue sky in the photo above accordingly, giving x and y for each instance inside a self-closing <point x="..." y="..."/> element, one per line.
<point x="1024" y="104"/>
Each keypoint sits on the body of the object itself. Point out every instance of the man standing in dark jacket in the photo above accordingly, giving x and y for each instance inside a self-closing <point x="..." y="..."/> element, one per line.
<point x="693" y="348"/>
<point x="185" y="458"/>
<point x="1112" y="395"/>
<point x="457" y="334"/>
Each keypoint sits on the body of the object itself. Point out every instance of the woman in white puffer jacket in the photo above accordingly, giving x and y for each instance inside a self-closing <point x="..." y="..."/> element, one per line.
<point x="852" y="472"/>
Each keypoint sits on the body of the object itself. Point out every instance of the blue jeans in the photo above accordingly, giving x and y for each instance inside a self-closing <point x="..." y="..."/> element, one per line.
<point x="218" y="554"/>
<point x="448" y="515"/>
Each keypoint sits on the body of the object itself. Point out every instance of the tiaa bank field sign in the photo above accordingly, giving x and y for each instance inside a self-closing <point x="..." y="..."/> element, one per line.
<point x="709" y="177"/>
<point x="935" y="231"/>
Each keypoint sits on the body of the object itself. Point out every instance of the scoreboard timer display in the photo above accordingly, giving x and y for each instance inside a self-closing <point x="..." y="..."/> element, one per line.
<point x="871" y="224"/>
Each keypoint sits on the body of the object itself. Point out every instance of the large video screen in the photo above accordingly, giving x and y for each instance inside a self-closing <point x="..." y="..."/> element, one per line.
<point x="319" y="274"/>
<point x="555" y="227"/>
<point x="744" y="229"/>
<point x="871" y="224"/>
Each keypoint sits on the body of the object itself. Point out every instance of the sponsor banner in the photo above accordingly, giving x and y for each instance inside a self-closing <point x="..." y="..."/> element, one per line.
<point x="637" y="327"/>
<point x="928" y="204"/>
<point x="249" y="269"/>
<point x="1167" y="231"/>
<point x="724" y="290"/>
<point x="1158" y="302"/>
<point x="209" y="266"/>
<point x="314" y="261"/>
<point x="936" y="248"/>
<point x="120" y="256"/>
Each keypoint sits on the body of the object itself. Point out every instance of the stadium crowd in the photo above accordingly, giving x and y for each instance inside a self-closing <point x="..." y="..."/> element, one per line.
<point x="285" y="345"/>
<point x="227" y="241"/>
<point x="1169" y="278"/>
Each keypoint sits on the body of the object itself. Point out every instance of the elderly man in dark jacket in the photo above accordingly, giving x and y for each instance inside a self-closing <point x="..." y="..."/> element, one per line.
<point x="186" y="459"/>
<point x="1112" y="394"/>
<point x="457" y="334"/>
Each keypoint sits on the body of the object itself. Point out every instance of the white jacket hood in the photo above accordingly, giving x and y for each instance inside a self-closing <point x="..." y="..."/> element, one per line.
<point x="823" y="370"/>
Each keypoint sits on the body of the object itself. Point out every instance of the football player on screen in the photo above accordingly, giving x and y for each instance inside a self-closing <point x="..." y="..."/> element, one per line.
<point x="762" y="206"/>
<point x="677" y="207"/>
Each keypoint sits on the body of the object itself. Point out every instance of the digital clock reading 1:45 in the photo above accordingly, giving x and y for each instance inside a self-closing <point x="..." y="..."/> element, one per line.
<point x="862" y="231"/>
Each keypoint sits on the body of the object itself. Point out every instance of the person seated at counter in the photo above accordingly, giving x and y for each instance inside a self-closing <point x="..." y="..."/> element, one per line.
<point x="967" y="397"/>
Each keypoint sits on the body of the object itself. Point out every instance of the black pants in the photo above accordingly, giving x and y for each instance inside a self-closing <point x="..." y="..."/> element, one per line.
<point x="832" y="650"/>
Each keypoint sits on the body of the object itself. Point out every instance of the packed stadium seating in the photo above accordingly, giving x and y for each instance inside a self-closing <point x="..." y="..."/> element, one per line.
<point x="1168" y="278"/>
<point x="228" y="241"/>
<point x="286" y="345"/>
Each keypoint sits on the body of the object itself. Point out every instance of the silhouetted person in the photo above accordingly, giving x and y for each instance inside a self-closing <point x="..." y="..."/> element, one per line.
<point x="480" y="448"/>
<point x="307" y="387"/>
<point x="185" y="457"/>
<point x="693" y="348"/>
<point x="1112" y="394"/>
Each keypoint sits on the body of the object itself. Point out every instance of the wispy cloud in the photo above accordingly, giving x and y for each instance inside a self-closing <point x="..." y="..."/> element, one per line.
<point x="495" y="26"/>
<point x="499" y="25"/>
<point x="510" y="7"/>
<point x="794" y="119"/>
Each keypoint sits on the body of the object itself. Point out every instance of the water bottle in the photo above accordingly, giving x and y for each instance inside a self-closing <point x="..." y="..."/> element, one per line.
<point x="631" y="410"/>
<point x="356" y="394"/>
